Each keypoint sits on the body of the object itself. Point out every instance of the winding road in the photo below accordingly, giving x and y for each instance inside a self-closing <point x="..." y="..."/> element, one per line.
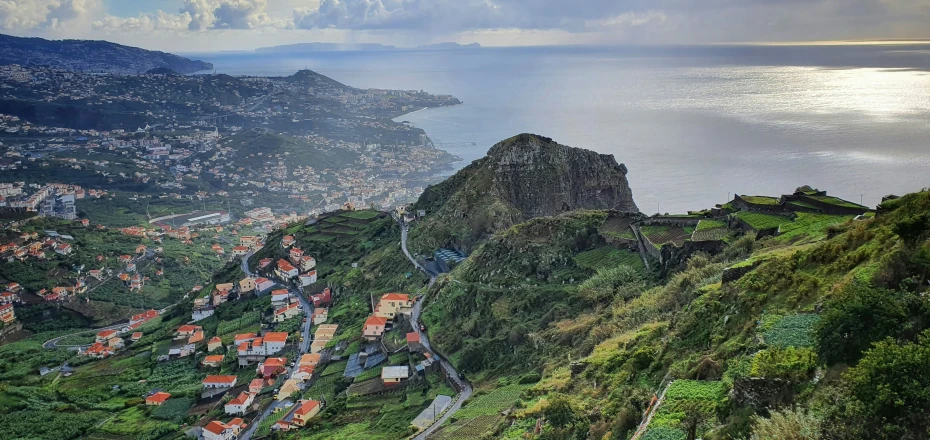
<point x="463" y="385"/>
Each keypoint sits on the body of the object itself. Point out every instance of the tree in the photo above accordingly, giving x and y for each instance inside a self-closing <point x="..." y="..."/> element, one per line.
<point x="559" y="411"/>
<point x="787" y="424"/>
<point x="913" y="229"/>
<point x="886" y="395"/>
<point x="857" y="317"/>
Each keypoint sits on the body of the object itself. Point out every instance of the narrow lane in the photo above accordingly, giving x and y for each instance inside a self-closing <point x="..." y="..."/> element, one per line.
<point x="465" y="387"/>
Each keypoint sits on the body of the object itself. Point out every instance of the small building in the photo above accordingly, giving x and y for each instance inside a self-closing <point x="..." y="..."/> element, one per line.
<point x="240" y="404"/>
<point x="239" y="251"/>
<point x="287" y="312"/>
<point x="256" y="385"/>
<point x="157" y="399"/>
<point x="105" y="336"/>
<point x="7" y="313"/>
<point x="393" y="304"/>
<point x="135" y="336"/>
<point x="320" y="315"/>
<point x="214" y="343"/>
<point x="214" y="360"/>
<point x="263" y="284"/>
<point x="306" y="410"/>
<point x="219" y="382"/>
<point x="217" y="430"/>
<point x="374" y="327"/>
<point x="285" y="270"/>
<point x="307" y="278"/>
<point x="272" y="367"/>
<point x="247" y="284"/>
<point x="279" y="296"/>
<point x="413" y="342"/>
<point x="187" y="330"/>
<point x="395" y="374"/>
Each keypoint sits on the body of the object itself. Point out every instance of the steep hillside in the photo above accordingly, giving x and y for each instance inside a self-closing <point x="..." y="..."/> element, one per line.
<point x="521" y="178"/>
<point x="91" y="56"/>
<point x="829" y="321"/>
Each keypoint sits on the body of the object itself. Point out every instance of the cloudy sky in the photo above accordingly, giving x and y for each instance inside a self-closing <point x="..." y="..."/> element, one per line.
<point x="201" y="25"/>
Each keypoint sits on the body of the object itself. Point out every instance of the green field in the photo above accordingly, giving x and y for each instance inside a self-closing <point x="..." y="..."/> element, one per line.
<point x="760" y="221"/>
<point x="608" y="257"/>
<point x="492" y="403"/>
<point x="836" y="201"/>
<point x="790" y="330"/>
<point x="760" y="200"/>
<point x="686" y="396"/>
<point x="810" y="226"/>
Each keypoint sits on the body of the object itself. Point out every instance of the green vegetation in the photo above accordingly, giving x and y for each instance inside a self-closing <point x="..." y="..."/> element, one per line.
<point x="811" y="227"/>
<point x="606" y="257"/>
<point x="789" y="331"/>
<point x="760" y="200"/>
<point x="760" y="221"/>
<point x="491" y="403"/>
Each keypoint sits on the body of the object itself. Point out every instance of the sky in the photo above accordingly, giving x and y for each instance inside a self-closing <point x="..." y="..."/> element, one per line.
<point x="212" y="25"/>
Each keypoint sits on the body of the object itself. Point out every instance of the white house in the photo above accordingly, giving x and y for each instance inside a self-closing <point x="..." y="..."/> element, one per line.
<point x="240" y="404"/>
<point x="219" y="382"/>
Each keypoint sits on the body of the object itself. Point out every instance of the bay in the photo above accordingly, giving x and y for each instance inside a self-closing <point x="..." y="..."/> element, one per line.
<point x="693" y="124"/>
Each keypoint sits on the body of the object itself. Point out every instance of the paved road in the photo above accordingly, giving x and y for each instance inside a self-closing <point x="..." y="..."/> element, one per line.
<point x="466" y="389"/>
<point x="303" y="347"/>
<point x="53" y="343"/>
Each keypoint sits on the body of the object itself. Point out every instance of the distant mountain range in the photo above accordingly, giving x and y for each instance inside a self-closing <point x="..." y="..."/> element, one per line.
<point x="91" y="56"/>
<point x="340" y="47"/>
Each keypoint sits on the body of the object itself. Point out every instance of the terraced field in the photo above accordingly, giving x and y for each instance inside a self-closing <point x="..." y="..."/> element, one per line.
<point x="467" y="429"/>
<point x="686" y="396"/>
<point x="811" y="227"/>
<point x="789" y="330"/>
<point x="608" y="257"/>
<point x="660" y="235"/>
<point x="760" y="200"/>
<point x="492" y="403"/>
<point x="618" y="227"/>
<point x="760" y="221"/>
<point x="709" y="229"/>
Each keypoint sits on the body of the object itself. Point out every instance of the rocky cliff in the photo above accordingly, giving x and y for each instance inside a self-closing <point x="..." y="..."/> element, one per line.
<point x="521" y="178"/>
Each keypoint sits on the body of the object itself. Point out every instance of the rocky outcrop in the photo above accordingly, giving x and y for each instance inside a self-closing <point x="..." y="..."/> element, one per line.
<point x="540" y="177"/>
<point x="521" y="178"/>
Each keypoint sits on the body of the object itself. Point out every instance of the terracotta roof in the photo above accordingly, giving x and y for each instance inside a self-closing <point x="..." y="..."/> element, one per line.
<point x="395" y="297"/>
<point x="375" y="320"/>
<point x="306" y="407"/>
<point x="188" y="328"/>
<point x="275" y="337"/>
<point x="215" y="339"/>
<point x="275" y="362"/>
<point x="219" y="379"/>
<point x="413" y="337"/>
<point x="245" y="337"/>
<point x="213" y="359"/>
<point x="106" y="333"/>
<point x="216" y="427"/>
<point x="240" y="399"/>
<point x="159" y="397"/>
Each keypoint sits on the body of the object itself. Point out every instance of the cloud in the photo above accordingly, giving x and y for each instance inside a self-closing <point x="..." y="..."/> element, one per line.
<point x="200" y="15"/>
<point x="20" y="15"/>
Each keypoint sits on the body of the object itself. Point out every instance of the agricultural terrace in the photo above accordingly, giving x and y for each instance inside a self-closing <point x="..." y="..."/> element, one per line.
<point x="608" y="257"/>
<point x="761" y="222"/>
<point x="709" y="229"/>
<point x="661" y="234"/>
<point x="810" y="227"/>
<point x="789" y="330"/>
<point x="760" y="200"/>
<point x="618" y="228"/>
<point x="686" y="398"/>
<point x="836" y="201"/>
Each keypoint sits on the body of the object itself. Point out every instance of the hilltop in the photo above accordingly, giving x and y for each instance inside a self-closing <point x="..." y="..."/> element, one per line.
<point x="521" y="178"/>
<point x="91" y="56"/>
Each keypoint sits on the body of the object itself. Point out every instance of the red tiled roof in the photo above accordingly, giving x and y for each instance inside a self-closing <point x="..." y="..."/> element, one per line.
<point x="216" y="427"/>
<point x="306" y="407"/>
<point x="413" y="337"/>
<point x="276" y="337"/>
<point x="395" y="297"/>
<point x="219" y="379"/>
<point x="375" y="320"/>
<point x="159" y="397"/>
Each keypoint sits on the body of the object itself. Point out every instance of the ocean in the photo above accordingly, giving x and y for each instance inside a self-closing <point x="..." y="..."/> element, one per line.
<point x="693" y="124"/>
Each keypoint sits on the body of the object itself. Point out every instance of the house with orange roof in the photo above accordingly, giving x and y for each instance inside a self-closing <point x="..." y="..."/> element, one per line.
<point x="287" y="312"/>
<point x="264" y="263"/>
<point x="157" y="399"/>
<point x="285" y="269"/>
<point x="256" y="385"/>
<point x="98" y="350"/>
<point x="279" y="295"/>
<point x="413" y="342"/>
<point x="374" y="327"/>
<point x="7" y="313"/>
<point x="214" y="343"/>
<point x="263" y="284"/>
<point x="239" y="251"/>
<point x="106" y="335"/>
<point x="307" y="279"/>
<point x="274" y="342"/>
<point x="220" y="297"/>
<point x="240" y="404"/>
<point x="196" y="337"/>
<point x="143" y="317"/>
<point x="393" y="304"/>
<point x="307" y="263"/>
<point x="213" y="360"/>
<point x="244" y="337"/>
<point x="135" y="336"/>
<point x="272" y="367"/>
<point x="295" y="254"/>
<point x="287" y="241"/>
<point x="186" y="331"/>
<point x="217" y="430"/>
<point x="306" y="410"/>
<point x="219" y="382"/>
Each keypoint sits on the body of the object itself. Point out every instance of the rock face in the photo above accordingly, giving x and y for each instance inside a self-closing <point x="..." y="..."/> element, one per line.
<point x="540" y="177"/>
<point x="521" y="178"/>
